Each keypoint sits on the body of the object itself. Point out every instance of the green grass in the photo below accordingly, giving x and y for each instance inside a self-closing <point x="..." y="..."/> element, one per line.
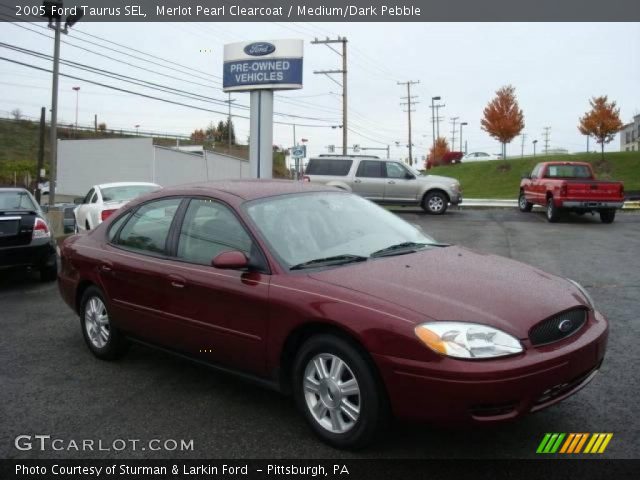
<point x="501" y="178"/>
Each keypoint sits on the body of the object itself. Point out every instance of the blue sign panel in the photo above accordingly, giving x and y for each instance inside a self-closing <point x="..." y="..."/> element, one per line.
<point x="263" y="73"/>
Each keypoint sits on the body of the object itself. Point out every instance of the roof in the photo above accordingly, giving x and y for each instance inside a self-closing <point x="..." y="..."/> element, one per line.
<point x="251" y="189"/>
<point x="125" y="184"/>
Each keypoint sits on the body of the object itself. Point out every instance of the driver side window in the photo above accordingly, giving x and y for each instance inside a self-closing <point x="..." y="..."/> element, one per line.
<point x="210" y="228"/>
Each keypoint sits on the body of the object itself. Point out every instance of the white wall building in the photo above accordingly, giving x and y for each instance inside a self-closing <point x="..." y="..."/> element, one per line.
<point x="84" y="163"/>
<point x="630" y="136"/>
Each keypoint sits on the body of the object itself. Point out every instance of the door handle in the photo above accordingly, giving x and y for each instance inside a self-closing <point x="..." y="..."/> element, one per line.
<point x="177" y="282"/>
<point x="357" y="181"/>
<point x="391" y="182"/>
<point x="106" y="268"/>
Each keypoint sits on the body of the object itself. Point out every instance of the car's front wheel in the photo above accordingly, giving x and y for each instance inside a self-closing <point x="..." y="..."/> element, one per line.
<point x="523" y="205"/>
<point x="338" y="391"/>
<point x="435" y="203"/>
<point x="103" y="339"/>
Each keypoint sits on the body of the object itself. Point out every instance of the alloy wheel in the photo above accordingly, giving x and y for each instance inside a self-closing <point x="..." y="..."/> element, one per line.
<point x="436" y="203"/>
<point x="332" y="393"/>
<point x="96" y="322"/>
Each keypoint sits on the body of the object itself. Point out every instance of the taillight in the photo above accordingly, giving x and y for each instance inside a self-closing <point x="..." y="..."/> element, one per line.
<point x="306" y="179"/>
<point x="40" y="229"/>
<point x="106" y="213"/>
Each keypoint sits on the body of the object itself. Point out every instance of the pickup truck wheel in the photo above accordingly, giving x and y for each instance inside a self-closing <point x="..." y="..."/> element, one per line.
<point x="435" y="203"/>
<point x="607" y="216"/>
<point x="553" y="212"/>
<point x="523" y="204"/>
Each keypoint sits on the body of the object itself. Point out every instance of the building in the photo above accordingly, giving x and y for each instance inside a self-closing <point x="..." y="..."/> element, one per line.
<point x="630" y="136"/>
<point x="84" y="163"/>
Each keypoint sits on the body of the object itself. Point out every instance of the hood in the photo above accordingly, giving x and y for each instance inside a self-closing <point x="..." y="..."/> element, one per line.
<point x="454" y="283"/>
<point x="439" y="179"/>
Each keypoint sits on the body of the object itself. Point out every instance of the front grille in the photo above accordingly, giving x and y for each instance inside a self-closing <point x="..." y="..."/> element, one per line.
<point x="558" y="327"/>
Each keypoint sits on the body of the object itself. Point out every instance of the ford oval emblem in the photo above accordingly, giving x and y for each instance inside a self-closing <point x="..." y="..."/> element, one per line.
<point x="258" y="49"/>
<point x="565" y="325"/>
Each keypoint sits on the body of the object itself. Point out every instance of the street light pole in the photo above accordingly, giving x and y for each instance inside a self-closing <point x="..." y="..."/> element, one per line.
<point x="461" y="125"/>
<point x="77" y="89"/>
<point x="534" y="148"/>
<point x="137" y="127"/>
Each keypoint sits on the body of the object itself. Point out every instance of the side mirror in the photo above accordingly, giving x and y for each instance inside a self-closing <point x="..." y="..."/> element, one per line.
<point x="230" y="260"/>
<point x="409" y="176"/>
<point x="78" y="200"/>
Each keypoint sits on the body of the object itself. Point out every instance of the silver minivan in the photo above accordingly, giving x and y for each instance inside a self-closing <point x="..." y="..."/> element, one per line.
<point x="385" y="181"/>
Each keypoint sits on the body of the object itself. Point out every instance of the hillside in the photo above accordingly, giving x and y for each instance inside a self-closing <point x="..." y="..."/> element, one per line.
<point x="501" y="178"/>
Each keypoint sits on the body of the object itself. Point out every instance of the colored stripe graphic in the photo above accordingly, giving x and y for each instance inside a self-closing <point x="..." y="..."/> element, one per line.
<point x="573" y="443"/>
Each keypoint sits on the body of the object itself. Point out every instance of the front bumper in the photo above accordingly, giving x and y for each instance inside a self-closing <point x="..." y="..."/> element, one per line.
<point x="456" y="198"/>
<point x="590" y="204"/>
<point x="36" y="254"/>
<point x="450" y="391"/>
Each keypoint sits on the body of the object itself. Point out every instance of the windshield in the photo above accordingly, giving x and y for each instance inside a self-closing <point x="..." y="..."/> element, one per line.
<point x="16" y="200"/>
<point x="305" y="227"/>
<point x="122" y="194"/>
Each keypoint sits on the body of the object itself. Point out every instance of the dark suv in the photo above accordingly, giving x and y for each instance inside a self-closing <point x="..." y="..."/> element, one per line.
<point x="26" y="241"/>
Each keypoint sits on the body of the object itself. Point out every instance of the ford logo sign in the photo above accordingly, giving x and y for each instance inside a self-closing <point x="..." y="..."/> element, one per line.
<point x="565" y="325"/>
<point x="259" y="49"/>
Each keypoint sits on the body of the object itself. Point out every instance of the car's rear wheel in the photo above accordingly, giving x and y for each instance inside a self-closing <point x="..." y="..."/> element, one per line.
<point x="553" y="212"/>
<point x="523" y="205"/>
<point x="103" y="339"/>
<point x="435" y="203"/>
<point x="607" y="216"/>
<point x="338" y="391"/>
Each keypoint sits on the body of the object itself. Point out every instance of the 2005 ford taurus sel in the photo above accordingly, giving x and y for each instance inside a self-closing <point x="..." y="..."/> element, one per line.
<point x="322" y="294"/>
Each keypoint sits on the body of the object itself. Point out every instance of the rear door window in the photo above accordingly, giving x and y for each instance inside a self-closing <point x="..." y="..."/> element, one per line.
<point x="147" y="229"/>
<point x="325" y="166"/>
<point x="371" y="169"/>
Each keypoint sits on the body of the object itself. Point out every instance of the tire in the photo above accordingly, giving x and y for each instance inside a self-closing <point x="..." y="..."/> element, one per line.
<point x="344" y="421"/>
<point x="435" y="202"/>
<point x="523" y="205"/>
<point x="106" y="343"/>
<point x="552" y="212"/>
<point x="607" y="216"/>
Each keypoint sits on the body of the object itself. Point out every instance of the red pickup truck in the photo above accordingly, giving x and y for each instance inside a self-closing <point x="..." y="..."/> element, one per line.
<point x="569" y="186"/>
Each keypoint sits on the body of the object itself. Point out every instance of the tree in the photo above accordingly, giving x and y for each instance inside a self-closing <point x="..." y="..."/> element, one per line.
<point x="503" y="119"/>
<point x="102" y="127"/>
<point x="437" y="152"/>
<point x="601" y="122"/>
<point x="228" y="129"/>
<point x="198" y="136"/>
<point x="16" y="114"/>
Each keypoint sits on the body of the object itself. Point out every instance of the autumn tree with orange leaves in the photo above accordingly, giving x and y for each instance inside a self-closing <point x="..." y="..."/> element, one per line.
<point x="602" y="122"/>
<point x="503" y="119"/>
<point x="437" y="152"/>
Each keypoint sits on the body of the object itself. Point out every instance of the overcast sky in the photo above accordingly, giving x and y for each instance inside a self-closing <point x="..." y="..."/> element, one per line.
<point x="555" y="69"/>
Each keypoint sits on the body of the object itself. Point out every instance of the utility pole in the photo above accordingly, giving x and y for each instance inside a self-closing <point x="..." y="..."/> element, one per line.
<point x="43" y="129"/>
<point x="433" y="121"/>
<point x="328" y="43"/>
<point x="454" y="120"/>
<point x="409" y="103"/>
<point x="77" y="90"/>
<point x="95" y="122"/>
<point x="546" y="135"/>
<point x="523" y="137"/>
<point x="438" y="118"/>
<point x="51" y="9"/>
<point x="229" y="101"/>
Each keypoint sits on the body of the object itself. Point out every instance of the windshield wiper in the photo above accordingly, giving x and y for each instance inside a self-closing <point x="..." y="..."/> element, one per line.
<point x="335" y="260"/>
<point x="402" y="248"/>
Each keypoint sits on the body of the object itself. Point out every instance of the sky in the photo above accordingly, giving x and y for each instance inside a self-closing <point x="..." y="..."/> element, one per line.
<point x="554" y="67"/>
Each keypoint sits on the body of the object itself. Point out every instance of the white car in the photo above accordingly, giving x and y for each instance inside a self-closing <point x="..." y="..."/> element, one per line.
<point x="480" y="157"/>
<point x="102" y="200"/>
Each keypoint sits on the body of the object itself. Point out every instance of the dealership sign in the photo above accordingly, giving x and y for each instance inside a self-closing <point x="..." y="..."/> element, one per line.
<point x="265" y="65"/>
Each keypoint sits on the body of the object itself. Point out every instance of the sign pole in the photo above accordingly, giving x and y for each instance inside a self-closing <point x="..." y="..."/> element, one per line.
<point x="261" y="134"/>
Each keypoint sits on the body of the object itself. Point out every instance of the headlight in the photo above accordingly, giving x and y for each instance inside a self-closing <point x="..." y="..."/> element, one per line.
<point x="584" y="292"/>
<point x="455" y="186"/>
<point x="467" y="340"/>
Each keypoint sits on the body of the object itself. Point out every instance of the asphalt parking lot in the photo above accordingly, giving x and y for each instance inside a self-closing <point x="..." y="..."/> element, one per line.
<point x="51" y="384"/>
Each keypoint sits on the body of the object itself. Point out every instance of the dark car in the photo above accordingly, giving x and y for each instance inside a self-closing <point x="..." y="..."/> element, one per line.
<point x="26" y="240"/>
<point x="321" y="293"/>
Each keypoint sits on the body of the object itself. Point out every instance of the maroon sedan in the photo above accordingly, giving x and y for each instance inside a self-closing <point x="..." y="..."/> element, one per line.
<point x="323" y="294"/>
